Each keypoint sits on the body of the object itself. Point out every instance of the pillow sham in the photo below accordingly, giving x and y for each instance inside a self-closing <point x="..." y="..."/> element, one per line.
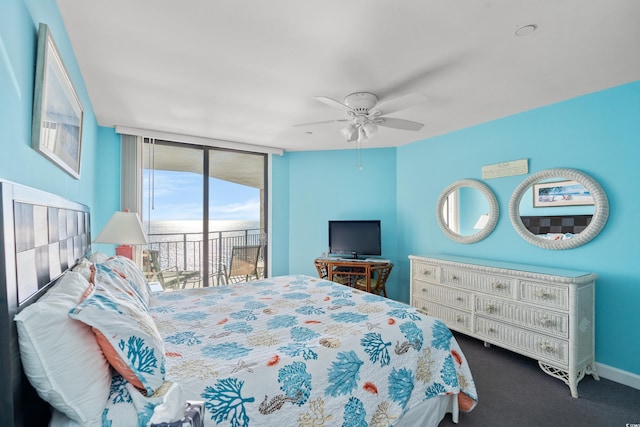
<point x="60" y="355"/>
<point x="130" y="271"/>
<point x="115" y="282"/>
<point x="127" y="336"/>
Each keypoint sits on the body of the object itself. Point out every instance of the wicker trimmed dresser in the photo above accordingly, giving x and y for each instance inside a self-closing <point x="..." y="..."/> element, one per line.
<point x="543" y="313"/>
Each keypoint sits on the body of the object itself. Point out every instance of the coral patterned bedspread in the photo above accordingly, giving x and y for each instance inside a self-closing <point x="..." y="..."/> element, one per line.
<point x="298" y="350"/>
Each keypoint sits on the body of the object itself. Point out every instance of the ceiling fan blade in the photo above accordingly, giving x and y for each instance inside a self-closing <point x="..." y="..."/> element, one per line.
<point x="391" y="122"/>
<point x="401" y="102"/>
<point x="319" y="123"/>
<point x="333" y="103"/>
<point x="425" y="76"/>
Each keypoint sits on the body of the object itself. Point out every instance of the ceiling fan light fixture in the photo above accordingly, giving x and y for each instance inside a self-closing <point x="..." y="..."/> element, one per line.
<point x="362" y="136"/>
<point x="348" y="131"/>
<point x="369" y="129"/>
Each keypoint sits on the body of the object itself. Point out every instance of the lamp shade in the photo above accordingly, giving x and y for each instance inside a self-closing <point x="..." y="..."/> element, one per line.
<point x="123" y="228"/>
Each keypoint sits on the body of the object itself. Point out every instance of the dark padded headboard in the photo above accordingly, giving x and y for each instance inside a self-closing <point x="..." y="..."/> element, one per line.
<point x="42" y="236"/>
<point x="556" y="224"/>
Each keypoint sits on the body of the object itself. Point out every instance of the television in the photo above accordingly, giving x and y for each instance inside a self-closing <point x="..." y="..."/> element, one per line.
<point x="356" y="238"/>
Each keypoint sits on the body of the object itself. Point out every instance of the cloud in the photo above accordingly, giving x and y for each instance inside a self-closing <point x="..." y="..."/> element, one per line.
<point x="248" y="210"/>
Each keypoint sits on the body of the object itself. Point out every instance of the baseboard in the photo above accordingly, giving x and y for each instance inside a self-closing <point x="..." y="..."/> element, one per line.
<point x="618" y="375"/>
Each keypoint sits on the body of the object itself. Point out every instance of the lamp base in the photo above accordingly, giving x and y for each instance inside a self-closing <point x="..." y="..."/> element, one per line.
<point x="125" y="251"/>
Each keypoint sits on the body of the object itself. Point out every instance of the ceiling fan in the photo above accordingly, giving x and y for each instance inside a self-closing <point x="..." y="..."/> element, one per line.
<point x="365" y="114"/>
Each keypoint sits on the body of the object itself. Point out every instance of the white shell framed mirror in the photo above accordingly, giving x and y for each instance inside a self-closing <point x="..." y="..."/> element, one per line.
<point x="467" y="211"/>
<point x="558" y="208"/>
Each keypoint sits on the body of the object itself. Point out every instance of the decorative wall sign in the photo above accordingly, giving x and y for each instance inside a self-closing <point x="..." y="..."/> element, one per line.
<point x="56" y="132"/>
<point x="497" y="170"/>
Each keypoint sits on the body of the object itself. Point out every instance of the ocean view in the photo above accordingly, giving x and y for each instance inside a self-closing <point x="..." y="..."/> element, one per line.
<point x="195" y="226"/>
<point x="180" y="242"/>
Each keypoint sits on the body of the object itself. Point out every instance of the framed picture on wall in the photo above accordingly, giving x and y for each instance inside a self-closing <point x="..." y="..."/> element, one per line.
<point x="560" y="193"/>
<point x="56" y="132"/>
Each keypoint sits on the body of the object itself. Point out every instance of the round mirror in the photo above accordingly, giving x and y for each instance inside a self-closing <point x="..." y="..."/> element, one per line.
<point x="467" y="211"/>
<point x="558" y="208"/>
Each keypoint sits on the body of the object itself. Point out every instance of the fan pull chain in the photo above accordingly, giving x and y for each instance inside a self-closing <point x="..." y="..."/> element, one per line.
<point x="358" y="157"/>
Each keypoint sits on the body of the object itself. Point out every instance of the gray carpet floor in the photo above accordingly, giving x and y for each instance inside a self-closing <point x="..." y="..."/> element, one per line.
<point x="513" y="391"/>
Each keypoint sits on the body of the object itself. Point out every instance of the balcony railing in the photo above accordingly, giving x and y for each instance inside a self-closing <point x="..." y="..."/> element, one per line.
<point x="184" y="251"/>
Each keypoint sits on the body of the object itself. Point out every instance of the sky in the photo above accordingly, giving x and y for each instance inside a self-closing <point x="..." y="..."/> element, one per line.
<point x="178" y="196"/>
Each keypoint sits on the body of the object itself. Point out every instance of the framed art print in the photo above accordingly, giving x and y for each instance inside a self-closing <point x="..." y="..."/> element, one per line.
<point x="56" y="131"/>
<point x="561" y="193"/>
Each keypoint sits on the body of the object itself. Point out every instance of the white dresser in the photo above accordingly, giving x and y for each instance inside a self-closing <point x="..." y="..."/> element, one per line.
<point x="543" y="313"/>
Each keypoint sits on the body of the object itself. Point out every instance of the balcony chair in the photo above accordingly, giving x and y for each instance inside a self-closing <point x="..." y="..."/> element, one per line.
<point x="171" y="277"/>
<point x="243" y="264"/>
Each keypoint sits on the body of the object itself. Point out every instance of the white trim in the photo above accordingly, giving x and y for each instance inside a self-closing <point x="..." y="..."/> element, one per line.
<point x="269" y="225"/>
<point x="618" y="375"/>
<point x="190" y="139"/>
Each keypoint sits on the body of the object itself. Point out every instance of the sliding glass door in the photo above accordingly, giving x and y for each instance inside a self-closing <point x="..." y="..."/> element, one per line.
<point x="194" y="191"/>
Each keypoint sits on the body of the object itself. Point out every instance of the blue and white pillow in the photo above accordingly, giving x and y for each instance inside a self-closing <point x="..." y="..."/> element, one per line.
<point x="127" y="335"/>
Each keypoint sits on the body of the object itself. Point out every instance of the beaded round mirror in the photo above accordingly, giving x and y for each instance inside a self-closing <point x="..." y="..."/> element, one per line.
<point x="467" y="211"/>
<point x="558" y="208"/>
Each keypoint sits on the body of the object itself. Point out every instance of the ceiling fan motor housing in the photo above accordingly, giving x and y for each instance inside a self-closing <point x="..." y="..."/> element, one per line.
<point x="361" y="102"/>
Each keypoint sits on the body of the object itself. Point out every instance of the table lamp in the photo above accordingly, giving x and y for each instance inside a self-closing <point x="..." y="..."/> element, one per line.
<point x="124" y="229"/>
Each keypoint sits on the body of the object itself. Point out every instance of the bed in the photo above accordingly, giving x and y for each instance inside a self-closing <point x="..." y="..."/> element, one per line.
<point x="101" y="349"/>
<point x="559" y="227"/>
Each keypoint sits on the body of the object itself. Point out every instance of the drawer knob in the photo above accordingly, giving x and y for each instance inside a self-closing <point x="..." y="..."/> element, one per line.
<point x="454" y="277"/>
<point x="542" y="294"/>
<point x="426" y="272"/>
<point x="460" y="299"/>
<point x="491" y="330"/>
<point x="459" y="319"/>
<point x="424" y="289"/>
<point x="489" y="308"/>
<point x="498" y="285"/>
<point x="545" y="346"/>
<point x="547" y="322"/>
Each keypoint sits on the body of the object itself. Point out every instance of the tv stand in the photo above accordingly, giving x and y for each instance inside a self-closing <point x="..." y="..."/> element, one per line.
<point x="367" y="275"/>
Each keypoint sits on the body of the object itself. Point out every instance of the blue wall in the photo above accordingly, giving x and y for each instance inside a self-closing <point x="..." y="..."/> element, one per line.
<point x="598" y="134"/>
<point x="98" y="187"/>
<point x="327" y="185"/>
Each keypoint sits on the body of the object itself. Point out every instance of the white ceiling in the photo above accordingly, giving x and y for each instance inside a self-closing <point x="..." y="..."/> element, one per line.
<point x="247" y="70"/>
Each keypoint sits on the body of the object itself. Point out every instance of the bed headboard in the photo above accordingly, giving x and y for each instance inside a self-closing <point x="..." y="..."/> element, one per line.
<point x="43" y="235"/>
<point x="573" y="224"/>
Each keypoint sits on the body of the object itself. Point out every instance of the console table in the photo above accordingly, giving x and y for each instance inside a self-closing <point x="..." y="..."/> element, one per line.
<point x="543" y="313"/>
<point x="367" y="275"/>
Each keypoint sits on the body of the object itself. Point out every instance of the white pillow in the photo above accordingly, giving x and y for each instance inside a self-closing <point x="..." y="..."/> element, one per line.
<point x="98" y="257"/>
<point x="83" y="267"/>
<point x="60" y="355"/>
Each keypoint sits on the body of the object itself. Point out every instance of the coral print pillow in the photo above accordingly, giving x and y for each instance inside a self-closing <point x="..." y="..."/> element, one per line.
<point x="127" y="335"/>
<point x="130" y="272"/>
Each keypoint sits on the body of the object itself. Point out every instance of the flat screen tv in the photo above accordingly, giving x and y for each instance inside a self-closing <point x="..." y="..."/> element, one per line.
<point x="355" y="238"/>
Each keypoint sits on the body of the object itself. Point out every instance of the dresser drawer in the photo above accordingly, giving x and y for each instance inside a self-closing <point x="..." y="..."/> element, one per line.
<point x="544" y="294"/>
<point x="454" y="319"/>
<point x="542" y="320"/>
<point x="449" y="296"/>
<point x="538" y="346"/>
<point x="491" y="284"/>
<point x="426" y="271"/>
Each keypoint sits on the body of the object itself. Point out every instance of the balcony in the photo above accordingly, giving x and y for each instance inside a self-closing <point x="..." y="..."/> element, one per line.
<point x="184" y="252"/>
